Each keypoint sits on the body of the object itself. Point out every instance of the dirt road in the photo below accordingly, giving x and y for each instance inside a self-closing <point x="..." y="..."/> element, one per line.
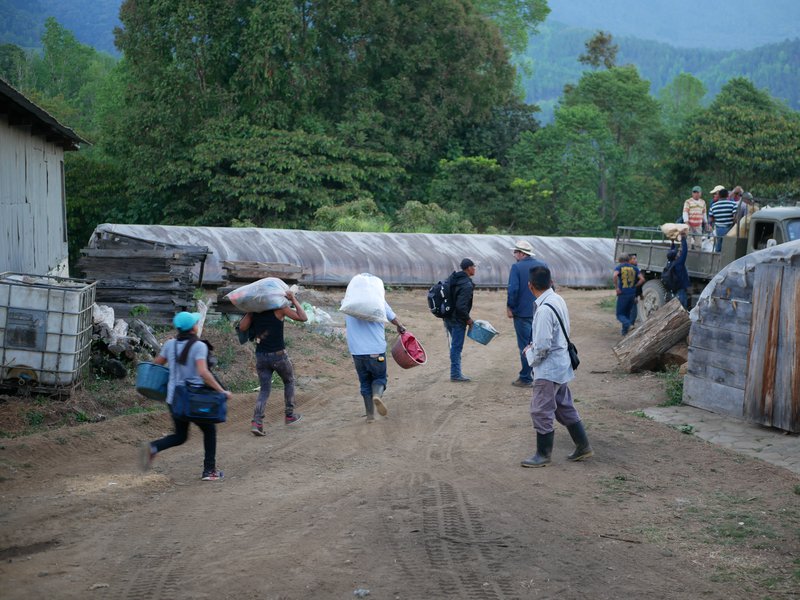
<point x="429" y="502"/>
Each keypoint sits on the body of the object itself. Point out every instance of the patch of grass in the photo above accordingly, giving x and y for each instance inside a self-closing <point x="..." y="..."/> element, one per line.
<point x="138" y="410"/>
<point x="243" y="386"/>
<point x="82" y="417"/>
<point x="641" y="414"/>
<point x="687" y="429"/>
<point x="797" y="489"/>
<point x="34" y="418"/>
<point x="225" y="356"/>
<point x="673" y="386"/>
<point x="608" y="304"/>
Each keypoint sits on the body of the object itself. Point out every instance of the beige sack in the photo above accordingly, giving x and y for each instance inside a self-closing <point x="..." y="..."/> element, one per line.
<point x="673" y="230"/>
<point x="741" y="229"/>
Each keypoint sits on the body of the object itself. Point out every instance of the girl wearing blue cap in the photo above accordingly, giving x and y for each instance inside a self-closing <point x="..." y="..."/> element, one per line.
<point x="188" y="361"/>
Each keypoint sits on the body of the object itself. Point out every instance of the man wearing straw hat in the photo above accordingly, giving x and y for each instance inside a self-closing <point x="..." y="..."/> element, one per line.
<point x="520" y="305"/>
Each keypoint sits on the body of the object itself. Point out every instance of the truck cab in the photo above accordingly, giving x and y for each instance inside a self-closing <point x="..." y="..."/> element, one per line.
<point x="766" y="227"/>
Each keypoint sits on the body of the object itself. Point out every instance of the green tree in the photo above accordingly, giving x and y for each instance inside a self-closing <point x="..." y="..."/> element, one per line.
<point x="416" y="217"/>
<point x="600" y="51"/>
<point x="357" y="215"/>
<point x="680" y="99"/>
<point x="14" y="67"/>
<point x="517" y="19"/>
<point x="377" y="79"/>
<point x="624" y="98"/>
<point x="744" y="138"/>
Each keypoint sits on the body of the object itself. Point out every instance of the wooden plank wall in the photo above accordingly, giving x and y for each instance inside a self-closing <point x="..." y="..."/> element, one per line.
<point x="33" y="235"/>
<point x="719" y="341"/>
<point x="772" y="392"/>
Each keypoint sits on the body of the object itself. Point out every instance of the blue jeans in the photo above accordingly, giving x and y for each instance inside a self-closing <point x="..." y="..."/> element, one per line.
<point x="625" y="304"/>
<point x="371" y="371"/>
<point x="682" y="297"/>
<point x="523" y="327"/>
<point x="455" y="332"/>
<point x="720" y="231"/>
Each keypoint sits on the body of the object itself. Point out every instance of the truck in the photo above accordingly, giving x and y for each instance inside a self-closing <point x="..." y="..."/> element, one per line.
<point x="767" y="227"/>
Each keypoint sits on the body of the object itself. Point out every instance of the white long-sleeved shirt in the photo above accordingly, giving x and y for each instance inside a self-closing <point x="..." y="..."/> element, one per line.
<point x="550" y="356"/>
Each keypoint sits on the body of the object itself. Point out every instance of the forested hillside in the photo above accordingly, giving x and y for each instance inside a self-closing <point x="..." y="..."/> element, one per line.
<point x="91" y="21"/>
<point x="712" y="24"/>
<point x="553" y="54"/>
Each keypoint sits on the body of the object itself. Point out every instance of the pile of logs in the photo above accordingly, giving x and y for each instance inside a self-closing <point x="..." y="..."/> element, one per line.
<point x="116" y="343"/>
<point x="659" y="342"/>
<point x="240" y="272"/>
<point x="137" y="277"/>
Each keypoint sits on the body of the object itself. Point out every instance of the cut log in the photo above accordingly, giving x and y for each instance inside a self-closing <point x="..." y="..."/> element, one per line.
<point x="644" y="347"/>
<point x="144" y="332"/>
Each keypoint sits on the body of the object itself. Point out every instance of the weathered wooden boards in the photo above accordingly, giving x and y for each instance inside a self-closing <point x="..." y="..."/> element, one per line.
<point x="136" y="277"/>
<point x="645" y="346"/>
<point x="772" y="388"/>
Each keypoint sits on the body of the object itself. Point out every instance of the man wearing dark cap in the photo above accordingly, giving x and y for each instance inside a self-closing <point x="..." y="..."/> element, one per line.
<point x="456" y="324"/>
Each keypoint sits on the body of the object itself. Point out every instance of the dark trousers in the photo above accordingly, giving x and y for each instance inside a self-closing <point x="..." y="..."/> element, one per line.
<point x="523" y="329"/>
<point x="268" y="363"/>
<point x="182" y="434"/>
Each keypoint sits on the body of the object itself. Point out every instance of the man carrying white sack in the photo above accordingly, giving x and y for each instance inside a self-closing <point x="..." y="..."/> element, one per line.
<point x="366" y="340"/>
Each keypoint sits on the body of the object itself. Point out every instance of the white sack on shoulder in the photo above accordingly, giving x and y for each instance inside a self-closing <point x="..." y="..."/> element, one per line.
<point x="673" y="230"/>
<point x="365" y="298"/>
<point x="265" y="294"/>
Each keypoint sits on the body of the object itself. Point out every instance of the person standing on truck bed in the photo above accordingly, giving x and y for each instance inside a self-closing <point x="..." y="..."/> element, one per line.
<point x="722" y="214"/>
<point x="694" y="213"/>
<point x="627" y="278"/>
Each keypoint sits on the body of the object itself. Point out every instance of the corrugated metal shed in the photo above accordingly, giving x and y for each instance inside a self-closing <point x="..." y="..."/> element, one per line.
<point x="403" y="259"/>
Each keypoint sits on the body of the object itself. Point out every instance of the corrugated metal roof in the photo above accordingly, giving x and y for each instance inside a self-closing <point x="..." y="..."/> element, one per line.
<point x="403" y="259"/>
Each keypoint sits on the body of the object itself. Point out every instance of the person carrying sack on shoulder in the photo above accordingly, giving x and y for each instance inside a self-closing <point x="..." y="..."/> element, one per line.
<point x="271" y="357"/>
<point x="187" y="357"/>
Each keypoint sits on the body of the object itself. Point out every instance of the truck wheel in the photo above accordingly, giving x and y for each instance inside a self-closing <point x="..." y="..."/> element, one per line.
<point x="654" y="296"/>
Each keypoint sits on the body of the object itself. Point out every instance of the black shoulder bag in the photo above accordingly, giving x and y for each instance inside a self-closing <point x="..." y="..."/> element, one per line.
<point x="571" y="349"/>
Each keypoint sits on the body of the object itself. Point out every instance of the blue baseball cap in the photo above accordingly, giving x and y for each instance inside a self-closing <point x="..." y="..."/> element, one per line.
<point x="184" y="321"/>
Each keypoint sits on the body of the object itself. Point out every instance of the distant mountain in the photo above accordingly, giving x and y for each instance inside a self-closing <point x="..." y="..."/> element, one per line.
<point x="554" y="56"/>
<point x="717" y="24"/>
<point x="92" y="21"/>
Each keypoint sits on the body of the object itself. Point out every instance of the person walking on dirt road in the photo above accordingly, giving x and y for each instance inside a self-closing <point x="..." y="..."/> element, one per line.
<point x="627" y="278"/>
<point x="520" y="305"/>
<point x="272" y="357"/>
<point x="187" y="356"/>
<point x="366" y="341"/>
<point x="552" y="371"/>
<point x="459" y="321"/>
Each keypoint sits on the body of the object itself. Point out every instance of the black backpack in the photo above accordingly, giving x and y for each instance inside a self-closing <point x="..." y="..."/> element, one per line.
<point x="669" y="278"/>
<point x="439" y="301"/>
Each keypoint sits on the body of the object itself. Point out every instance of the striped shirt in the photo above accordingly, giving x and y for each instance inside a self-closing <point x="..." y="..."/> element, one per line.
<point x="723" y="211"/>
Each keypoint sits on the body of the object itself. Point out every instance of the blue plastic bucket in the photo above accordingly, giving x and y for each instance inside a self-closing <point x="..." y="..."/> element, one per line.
<point x="482" y="332"/>
<point x="151" y="380"/>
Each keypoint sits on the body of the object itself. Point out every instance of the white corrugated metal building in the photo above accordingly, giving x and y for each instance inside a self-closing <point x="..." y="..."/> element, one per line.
<point x="33" y="212"/>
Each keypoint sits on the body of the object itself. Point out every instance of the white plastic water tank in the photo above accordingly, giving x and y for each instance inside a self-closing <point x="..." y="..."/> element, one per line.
<point x="45" y="329"/>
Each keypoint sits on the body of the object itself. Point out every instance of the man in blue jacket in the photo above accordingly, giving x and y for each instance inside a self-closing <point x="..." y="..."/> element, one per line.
<point x="679" y="269"/>
<point x="520" y="305"/>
